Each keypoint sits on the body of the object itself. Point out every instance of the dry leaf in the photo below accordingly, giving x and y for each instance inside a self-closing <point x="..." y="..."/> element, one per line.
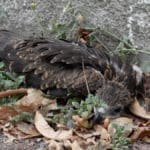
<point x="10" y="138"/>
<point x="88" y="134"/>
<point x="32" y="101"/>
<point x="146" y="139"/>
<point x="104" y="135"/>
<point x="83" y="35"/>
<point x="6" y="112"/>
<point x="142" y="132"/>
<point x="138" y="110"/>
<point x="54" y="145"/>
<point x="27" y="129"/>
<point x="47" y="131"/>
<point x="73" y="146"/>
<point x="80" y="122"/>
<point x="122" y="121"/>
<point x="106" y="123"/>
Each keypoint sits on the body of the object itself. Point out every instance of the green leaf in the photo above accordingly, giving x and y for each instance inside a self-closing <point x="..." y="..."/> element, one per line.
<point x="76" y="104"/>
<point x="85" y="114"/>
<point x="2" y="65"/>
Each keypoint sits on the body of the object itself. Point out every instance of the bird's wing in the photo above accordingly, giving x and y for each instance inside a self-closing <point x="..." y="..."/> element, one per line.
<point x="50" y="64"/>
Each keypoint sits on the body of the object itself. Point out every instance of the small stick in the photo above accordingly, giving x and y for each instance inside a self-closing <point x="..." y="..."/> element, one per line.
<point x="13" y="92"/>
<point x="86" y="82"/>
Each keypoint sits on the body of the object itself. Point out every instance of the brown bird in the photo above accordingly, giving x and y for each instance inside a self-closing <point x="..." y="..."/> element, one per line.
<point x="59" y="67"/>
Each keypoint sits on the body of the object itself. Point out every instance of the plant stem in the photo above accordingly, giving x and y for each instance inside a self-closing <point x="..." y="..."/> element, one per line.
<point x="134" y="50"/>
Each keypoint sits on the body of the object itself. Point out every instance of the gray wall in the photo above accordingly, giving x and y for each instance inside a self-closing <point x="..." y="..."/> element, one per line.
<point x="128" y="17"/>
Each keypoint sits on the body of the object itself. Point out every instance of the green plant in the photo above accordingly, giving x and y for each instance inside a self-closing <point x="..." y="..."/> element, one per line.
<point x="118" y="139"/>
<point x="78" y="18"/>
<point x="37" y="18"/>
<point x="91" y="103"/>
<point x="3" y="15"/>
<point x="82" y="108"/>
<point x="22" y="116"/>
<point x="9" y="81"/>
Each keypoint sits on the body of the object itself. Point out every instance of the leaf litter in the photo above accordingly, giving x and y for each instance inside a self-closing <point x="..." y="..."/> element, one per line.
<point x="59" y="136"/>
<point x="29" y="118"/>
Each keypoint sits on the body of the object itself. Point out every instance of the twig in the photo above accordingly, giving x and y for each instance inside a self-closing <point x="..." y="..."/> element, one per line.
<point x="86" y="82"/>
<point x="13" y="92"/>
<point x="133" y="51"/>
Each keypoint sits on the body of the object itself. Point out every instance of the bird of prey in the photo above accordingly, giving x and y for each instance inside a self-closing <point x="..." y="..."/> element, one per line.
<point x="59" y="67"/>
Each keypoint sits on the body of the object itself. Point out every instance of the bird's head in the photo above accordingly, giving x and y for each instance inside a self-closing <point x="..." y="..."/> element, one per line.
<point x="117" y="98"/>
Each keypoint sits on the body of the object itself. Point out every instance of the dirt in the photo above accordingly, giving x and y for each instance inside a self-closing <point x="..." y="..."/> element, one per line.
<point x="38" y="144"/>
<point x="28" y="144"/>
<point x="140" y="146"/>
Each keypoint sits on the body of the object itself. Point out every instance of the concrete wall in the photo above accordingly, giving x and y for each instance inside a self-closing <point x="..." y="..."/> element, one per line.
<point x="128" y="17"/>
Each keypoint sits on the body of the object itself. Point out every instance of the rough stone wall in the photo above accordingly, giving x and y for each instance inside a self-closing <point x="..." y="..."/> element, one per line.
<point x="128" y="17"/>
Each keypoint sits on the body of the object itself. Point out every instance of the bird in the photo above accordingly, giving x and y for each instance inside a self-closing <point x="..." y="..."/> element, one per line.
<point x="60" y="67"/>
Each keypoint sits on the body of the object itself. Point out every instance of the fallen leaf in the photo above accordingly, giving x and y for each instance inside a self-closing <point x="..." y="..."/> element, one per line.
<point x="139" y="111"/>
<point x="6" y="112"/>
<point x="142" y="132"/>
<point x="83" y="35"/>
<point x="86" y="135"/>
<point x="73" y="146"/>
<point x="122" y="121"/>
<point x="10" y="138"/>
<point x="27" y="129"/>
<point x="104" y="135"/>
<point x="32" y="101"/>
<point x="81" y="122"/>
<point x="47" y="131"/>
<point x="146" y="139"/>
<point x="55" y="145"/>
<point x="106" y="123"/>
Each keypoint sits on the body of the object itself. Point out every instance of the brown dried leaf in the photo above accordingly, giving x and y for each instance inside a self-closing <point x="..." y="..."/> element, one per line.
<point x="32" y="101"/>
<point x="83" y="35"/>
<point x="73" y="146"/>
<point x="104" y="135"/>
<point x="80" y="122"/>
<point x="146" y="139"/>
<point x="6" y="112"/>
<point x="27" y="129"/>
<point x="55" y="145"/>
<point x="106" y="123"/>
<point x="122" y="121"/>
<point x="14" y="132"/>
<point x="10" y="137"/>
<point x="138" y="110"/>
<point x="140" y="133"/>
<point x="48" y="132"/>
<point x="88" y="134"/>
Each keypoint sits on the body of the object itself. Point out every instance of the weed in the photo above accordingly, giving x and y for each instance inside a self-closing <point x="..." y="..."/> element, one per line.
<point x="8" y="81"/>
<point x="22" y="116"/>
<point x="78" y="19"/>
<point x="118" y="140"/>
<point x="82" y="108"/>
<point x="37" y="18"/>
